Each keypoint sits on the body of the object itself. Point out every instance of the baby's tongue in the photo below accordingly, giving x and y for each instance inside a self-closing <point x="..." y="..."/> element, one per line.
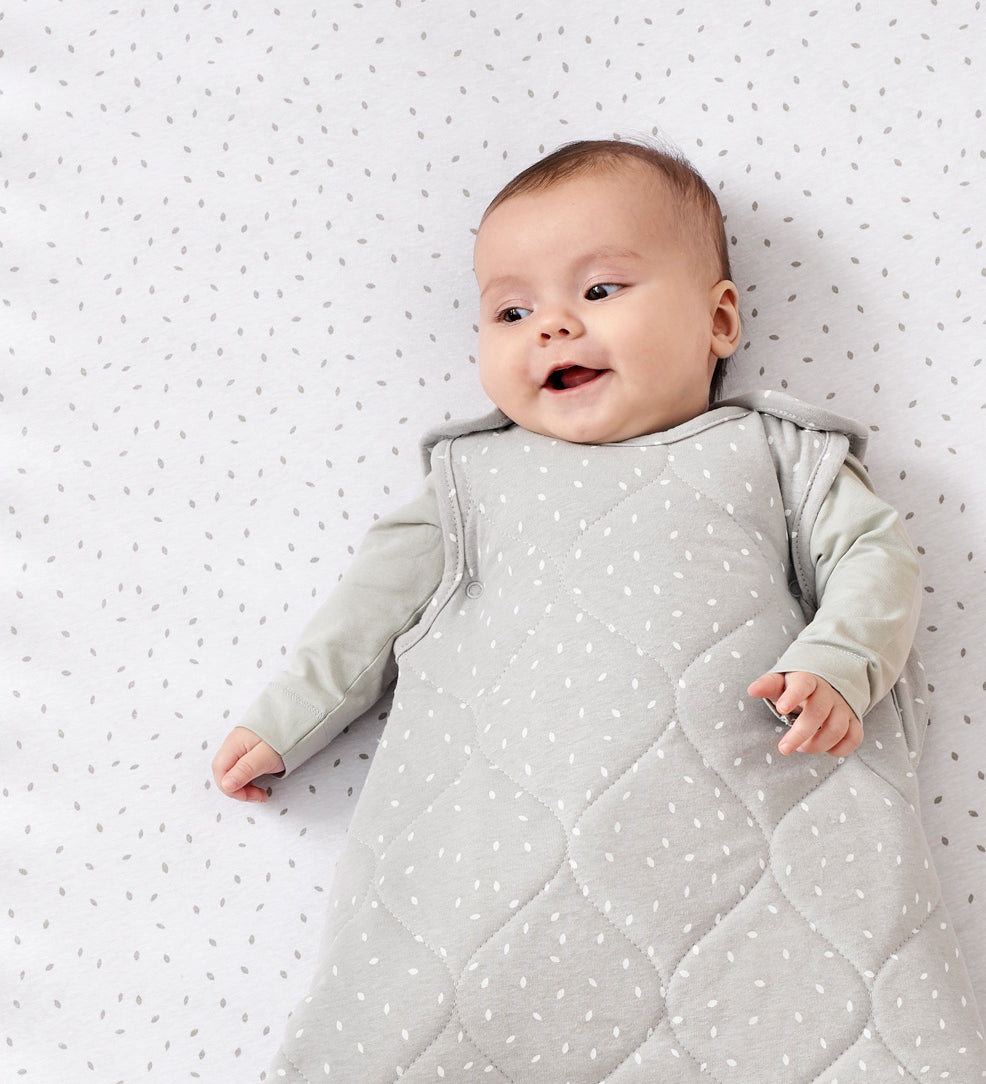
<point x="575" y="375"/>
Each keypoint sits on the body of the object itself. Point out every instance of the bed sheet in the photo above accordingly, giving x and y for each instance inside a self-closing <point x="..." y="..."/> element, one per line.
<point x="236" y="287"/>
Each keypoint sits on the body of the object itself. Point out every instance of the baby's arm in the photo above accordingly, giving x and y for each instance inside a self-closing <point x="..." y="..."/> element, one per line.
<point x="243" y="757"/>
<point x="824" y="722"/>
<point x="853" y="650"/>
<point x="344" y="659"/>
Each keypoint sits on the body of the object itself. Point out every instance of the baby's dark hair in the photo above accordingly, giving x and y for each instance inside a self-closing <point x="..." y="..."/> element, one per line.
<point x="694" y="196"/>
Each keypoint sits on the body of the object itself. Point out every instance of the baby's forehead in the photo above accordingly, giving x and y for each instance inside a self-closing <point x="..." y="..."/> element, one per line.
<point x="659" y="204"/>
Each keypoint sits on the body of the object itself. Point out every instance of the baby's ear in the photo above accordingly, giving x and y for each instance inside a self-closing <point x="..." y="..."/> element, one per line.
<point x="724" y="307"/>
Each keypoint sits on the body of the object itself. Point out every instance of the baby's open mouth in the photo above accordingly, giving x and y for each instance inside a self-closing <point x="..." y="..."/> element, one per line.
<point x="571" y="376"/>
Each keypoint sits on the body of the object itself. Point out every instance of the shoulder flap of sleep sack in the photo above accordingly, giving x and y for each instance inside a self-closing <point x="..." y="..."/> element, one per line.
<point x="809" y="446"/>
<point x="495" y="419"/>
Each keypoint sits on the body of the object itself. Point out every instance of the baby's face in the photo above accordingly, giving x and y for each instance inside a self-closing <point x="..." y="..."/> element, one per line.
<point x="597" y="320"/>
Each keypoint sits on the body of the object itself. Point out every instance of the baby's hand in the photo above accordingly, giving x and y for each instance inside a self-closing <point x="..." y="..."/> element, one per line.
<point x="241" y="758"/>
<point x="825" y="723"/>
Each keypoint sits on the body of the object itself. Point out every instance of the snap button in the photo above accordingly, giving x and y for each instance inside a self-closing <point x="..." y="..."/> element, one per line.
<point x="474" y="589"/>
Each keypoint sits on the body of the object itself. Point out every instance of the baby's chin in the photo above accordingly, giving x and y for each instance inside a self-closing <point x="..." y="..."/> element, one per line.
<point x="602" y="411"/>
<point x="588" y="433"/>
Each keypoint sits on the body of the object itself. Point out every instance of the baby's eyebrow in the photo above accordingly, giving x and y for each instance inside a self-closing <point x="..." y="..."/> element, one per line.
<point x="505" y="282"/>
<point x="502" y="282"/>
<point x="613" y="254"/>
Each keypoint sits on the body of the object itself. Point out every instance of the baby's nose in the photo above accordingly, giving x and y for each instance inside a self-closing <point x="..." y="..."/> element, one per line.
<point x="560" y="332"/>
<point x="558" y="322"/>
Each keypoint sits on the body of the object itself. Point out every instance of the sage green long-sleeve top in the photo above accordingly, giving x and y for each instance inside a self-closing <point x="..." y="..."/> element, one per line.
<point x="866" y="579"/>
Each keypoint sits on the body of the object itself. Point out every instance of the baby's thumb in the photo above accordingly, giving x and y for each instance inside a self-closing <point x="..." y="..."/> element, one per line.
<point x="242" y="772"/>
<point x="260" y="760"/>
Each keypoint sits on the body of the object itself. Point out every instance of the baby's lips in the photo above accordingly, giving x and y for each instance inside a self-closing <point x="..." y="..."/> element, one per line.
<point x="570" y="376"/>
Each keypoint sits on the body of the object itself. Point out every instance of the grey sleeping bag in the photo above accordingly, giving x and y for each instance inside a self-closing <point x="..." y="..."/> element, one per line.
<point x="578" y="856"/>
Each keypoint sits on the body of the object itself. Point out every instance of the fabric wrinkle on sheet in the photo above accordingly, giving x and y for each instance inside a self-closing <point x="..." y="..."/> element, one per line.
<point x="578" y="856"/>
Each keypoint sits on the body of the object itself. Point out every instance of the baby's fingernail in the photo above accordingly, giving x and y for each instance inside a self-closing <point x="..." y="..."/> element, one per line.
<point x="228" y="784"/>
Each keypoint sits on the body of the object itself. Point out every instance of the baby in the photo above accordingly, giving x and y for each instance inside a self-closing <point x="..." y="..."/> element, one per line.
<point x="577" y="602"/>
<point x="635" y="355"/>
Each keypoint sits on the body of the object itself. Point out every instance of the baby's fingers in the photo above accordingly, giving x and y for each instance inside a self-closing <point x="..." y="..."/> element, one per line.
<point x="241" y="758"/>
<point x="839" y="734"/>
<point x="767" y="687"/>
<point x="850" y="742"/>
<point x="261" y="760"/>
<point x="236" y="783"/>
<point x="798" y="690"/>
<point x="803" y="734"/>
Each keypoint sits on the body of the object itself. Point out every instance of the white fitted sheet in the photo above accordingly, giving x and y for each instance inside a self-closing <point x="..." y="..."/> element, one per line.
<point x="236" y="287"/>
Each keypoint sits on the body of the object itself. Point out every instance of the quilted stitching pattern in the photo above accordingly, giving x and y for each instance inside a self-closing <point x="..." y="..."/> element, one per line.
<point x="578" y="857"/>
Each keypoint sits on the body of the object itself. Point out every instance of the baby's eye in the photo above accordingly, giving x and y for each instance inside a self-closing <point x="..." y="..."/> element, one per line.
<point x="602" y="290"/>
<point x="512" y="315"/>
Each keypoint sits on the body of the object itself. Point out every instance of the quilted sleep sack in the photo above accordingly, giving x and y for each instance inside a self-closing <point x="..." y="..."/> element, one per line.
<point x="578" y="856"/>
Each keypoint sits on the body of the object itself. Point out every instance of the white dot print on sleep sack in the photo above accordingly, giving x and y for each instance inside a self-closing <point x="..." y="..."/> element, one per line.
<point x="614" y="867"/>
<point x="471" y="884"/>
<point x="579" y="980"/>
